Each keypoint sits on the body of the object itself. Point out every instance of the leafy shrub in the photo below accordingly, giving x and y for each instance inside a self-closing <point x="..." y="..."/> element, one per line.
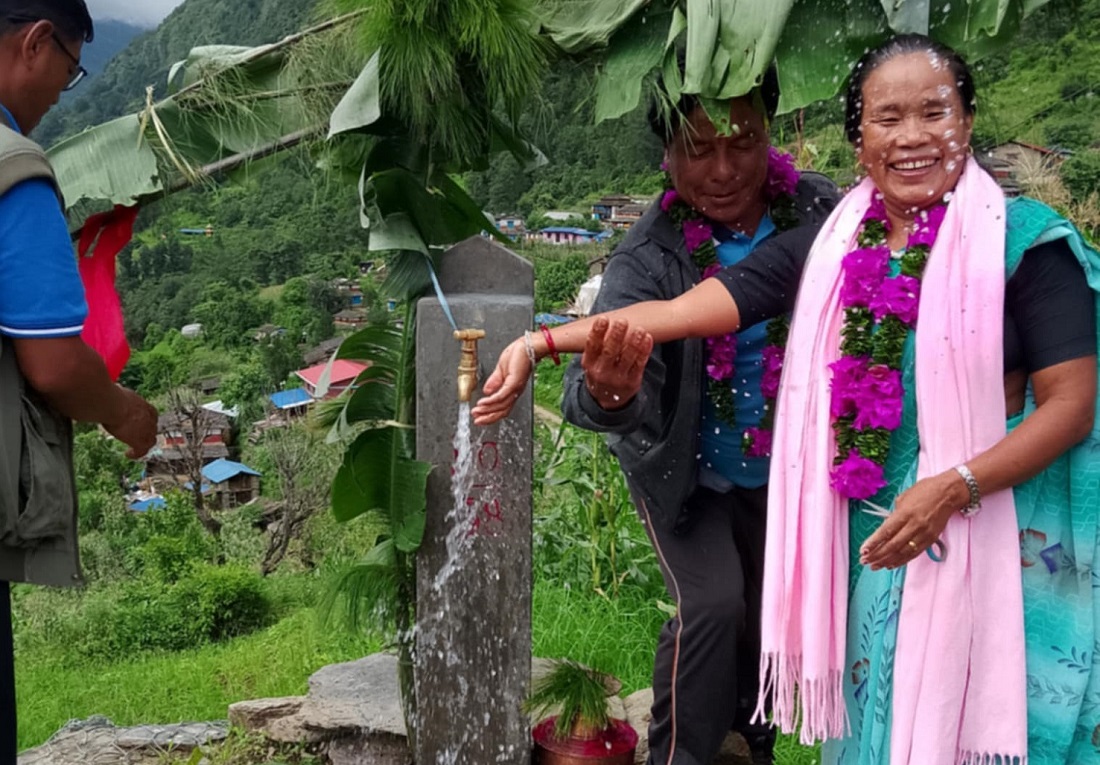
<point x="166" y="559"/>
<point x="557" y="282"/>
<point x="240" y="541"/>
<point x="122" y="619"/>
<point x="587" y="534"/>
<point x="1081" y="174"/>
<point x="207" y="604"/>
<point x="226" y="601"/>
<point x="118" y="549"/>
<point x="1071" y="130"/>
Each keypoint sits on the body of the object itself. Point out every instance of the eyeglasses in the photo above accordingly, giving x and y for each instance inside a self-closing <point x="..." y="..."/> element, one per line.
<point x="79" y="73"/>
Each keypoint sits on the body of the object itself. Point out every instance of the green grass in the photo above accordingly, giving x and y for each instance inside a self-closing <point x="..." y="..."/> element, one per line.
<point x="615" y="636"/>
<point x="175" y="687"/>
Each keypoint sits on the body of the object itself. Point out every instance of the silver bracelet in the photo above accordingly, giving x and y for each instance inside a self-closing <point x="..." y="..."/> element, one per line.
<point x="975" y="503"/>
<point x="530" y="347"/>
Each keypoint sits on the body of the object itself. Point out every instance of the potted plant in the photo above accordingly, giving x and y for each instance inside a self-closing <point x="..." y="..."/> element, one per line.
<point x="577" y="729"/>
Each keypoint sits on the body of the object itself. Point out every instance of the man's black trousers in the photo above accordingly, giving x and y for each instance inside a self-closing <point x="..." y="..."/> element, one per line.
<point x="705" y="676"/>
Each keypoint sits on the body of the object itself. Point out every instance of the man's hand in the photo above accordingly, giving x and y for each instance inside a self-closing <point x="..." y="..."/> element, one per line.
<point x="73" y="378"/>
<point x="137" y="428"/>
<point x="614" y="362"/>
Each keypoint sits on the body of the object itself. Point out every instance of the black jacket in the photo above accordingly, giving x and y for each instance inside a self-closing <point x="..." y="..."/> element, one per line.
<point x="656" y="436"/>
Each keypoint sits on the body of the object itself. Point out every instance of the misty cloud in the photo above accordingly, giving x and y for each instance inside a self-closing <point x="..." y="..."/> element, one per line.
<point x="146" y="13"/>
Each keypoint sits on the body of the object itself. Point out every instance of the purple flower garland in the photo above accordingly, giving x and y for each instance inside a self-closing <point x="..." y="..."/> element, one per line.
<point x="779" y="188"/>
<point x="867" y="395"/>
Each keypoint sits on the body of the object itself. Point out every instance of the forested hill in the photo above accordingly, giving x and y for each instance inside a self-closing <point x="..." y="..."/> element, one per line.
<point x="146" y="60"/>
<point x="111" y="38"/>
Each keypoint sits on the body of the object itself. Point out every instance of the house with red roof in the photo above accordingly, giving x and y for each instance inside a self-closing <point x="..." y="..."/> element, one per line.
<point x="342" y="377"/>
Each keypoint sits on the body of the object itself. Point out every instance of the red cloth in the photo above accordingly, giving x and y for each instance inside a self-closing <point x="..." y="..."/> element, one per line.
<point x="103" y="329"/>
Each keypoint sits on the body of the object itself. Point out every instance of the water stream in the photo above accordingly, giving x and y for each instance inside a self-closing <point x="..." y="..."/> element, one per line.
<point x="462" y="514"/>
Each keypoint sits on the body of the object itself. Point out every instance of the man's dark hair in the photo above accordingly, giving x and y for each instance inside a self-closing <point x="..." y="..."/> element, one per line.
<point x="902" y="45"/>
<point x="664" y="120"/>
<point x="71" y="17"/>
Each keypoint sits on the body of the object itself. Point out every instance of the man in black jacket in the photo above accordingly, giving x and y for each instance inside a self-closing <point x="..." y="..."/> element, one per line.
<point x="702" y="500"/>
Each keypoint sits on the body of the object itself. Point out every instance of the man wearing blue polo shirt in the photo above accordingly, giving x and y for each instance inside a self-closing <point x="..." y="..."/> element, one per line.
<point x="42" y="307"/>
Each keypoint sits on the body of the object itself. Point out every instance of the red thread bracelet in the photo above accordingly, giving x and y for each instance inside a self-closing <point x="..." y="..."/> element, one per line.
<point x="550" y="344"/>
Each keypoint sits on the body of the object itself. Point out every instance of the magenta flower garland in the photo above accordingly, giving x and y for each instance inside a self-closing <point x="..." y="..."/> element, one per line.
<point x="867" y="395"/>
<point x="779" y="189"/>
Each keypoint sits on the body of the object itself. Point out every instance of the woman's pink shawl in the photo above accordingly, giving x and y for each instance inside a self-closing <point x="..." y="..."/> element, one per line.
<point x="959" y="677"/>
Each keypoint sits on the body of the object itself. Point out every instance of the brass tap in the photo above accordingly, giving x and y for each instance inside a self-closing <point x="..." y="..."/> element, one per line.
<point x="467" y="366"/>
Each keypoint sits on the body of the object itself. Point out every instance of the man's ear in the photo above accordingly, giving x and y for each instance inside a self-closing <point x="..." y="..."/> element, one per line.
<point x="36" y="38"/>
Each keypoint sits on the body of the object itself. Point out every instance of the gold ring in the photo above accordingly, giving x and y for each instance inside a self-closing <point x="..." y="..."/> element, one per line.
<point x="914" y="546"/>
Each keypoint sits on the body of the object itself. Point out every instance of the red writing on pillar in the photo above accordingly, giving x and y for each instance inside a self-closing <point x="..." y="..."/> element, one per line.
<point x="488" y="517"/>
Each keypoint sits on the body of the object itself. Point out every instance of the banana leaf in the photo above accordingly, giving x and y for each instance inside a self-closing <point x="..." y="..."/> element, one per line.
<point x="224" y="102"/>
<point x="379" y="475"/>
<point x="821" y="41"/>
<point x="635" y="50"/>
<point x="730" y="43"/>
<point x="375" y="478"/>
<point x="361" y="106"/>
<point x="508" y="138"/>
<point x="110" y="164"/>
<point x="578" y="26"/>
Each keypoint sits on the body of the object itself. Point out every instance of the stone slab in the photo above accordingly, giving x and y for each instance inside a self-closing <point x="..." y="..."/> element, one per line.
<point x="380" y="749"/>
<point x="99" y="742"/>
<point x="254" y="715"/>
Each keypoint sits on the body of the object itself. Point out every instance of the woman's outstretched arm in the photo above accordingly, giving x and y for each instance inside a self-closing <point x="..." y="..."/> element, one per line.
<point x="703" y="311"/>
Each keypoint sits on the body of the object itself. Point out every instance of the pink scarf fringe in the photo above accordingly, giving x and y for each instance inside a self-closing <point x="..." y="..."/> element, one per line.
<point x="959" y="673"/>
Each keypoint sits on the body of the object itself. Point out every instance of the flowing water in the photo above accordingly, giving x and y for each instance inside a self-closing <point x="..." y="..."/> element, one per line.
<point x="462" y="514"/>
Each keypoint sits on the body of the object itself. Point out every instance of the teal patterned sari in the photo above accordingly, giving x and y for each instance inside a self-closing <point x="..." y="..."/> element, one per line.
<point x="1057" y="516"/>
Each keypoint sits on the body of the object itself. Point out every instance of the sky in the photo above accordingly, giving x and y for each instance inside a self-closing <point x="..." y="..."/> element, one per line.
<point x="146" y="13"/>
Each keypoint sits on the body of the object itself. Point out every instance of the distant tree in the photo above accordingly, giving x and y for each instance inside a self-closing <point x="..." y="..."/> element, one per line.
<point x="245" y="388"/>
<point x="557" y="282"/>
<point x="102" y="472"/>
<point x="374" y="302"/>
<point x="197" y="424"/>
<point x="1081" y="174"/>
<point x="154" y="333"/>
<point x="304" y="468"/>
<point x="156" y="370"/>
<point x="278" y="356"/>
<point x="229" y="316"/>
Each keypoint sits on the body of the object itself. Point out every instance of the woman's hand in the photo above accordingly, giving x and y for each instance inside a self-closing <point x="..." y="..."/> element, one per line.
<point x="920" y="515"/>
<point x="504" y="385"/>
